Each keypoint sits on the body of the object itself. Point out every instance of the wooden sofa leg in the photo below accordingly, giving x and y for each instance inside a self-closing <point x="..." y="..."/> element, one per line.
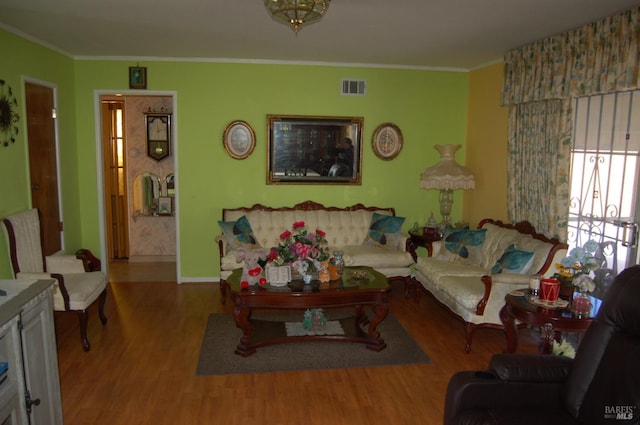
<point x="409" y="286"/>
<point x="416" y="287"/>
<point x="101" y="302"/>
<point x="469" y="328"/>
<point x="83" y="317"/>
<point x="223" y="291"/>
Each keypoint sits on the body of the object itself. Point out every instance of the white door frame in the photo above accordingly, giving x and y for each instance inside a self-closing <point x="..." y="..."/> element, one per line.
<point x="97" y="96"/>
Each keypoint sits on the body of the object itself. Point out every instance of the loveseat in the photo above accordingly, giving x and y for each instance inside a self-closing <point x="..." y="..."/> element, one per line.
<point x="368" y="236"/>
<point x="470" y="271"/>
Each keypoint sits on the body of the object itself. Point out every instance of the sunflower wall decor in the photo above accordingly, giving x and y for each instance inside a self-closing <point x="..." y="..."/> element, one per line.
<point x="9" y="117"/>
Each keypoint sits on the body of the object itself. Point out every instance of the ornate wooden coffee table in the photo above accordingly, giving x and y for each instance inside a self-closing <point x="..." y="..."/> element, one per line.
<point x="551" y="321"/>
<point x="360" y="287"/>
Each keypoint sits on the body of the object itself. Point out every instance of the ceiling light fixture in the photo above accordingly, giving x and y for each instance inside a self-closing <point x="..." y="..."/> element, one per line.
<point x="297" y="12"/>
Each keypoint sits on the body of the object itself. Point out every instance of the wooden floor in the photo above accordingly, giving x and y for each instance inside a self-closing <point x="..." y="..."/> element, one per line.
<point x="141" y="367"/>
<point x="123" y="271"/>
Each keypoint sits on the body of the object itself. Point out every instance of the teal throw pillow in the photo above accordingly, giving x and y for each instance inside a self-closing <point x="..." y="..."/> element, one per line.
<point x="514" y="261"/>
<point x="463" y="246"/>
<point x="384" y="230"/>
<point x="238" y="233"/>
<point x="449" y="229"/>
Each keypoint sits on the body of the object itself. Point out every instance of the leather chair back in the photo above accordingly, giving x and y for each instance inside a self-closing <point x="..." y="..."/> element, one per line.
<point x="605" y="377"/>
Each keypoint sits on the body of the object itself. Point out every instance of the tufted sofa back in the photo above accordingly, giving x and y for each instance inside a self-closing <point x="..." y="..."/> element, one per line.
<point x="548" y="251"/>
<point x="343" y="226"/>
<point x="499" y="238"/>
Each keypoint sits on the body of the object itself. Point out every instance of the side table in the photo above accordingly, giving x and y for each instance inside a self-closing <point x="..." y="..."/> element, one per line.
<point x="551" y="321"/>
<point x="420" y="239"/>
<point x="416" y="240"/>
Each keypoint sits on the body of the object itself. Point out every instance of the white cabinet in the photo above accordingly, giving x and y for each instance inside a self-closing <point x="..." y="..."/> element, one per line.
<point x="30" y="393"/>
<point x="12" y="407"/>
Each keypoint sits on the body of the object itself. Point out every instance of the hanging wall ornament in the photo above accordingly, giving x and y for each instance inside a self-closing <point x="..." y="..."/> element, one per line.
<point x="9" y="117"/>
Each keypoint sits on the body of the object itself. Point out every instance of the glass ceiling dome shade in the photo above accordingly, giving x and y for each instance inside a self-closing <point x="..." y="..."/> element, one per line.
<point x="296" y="13"/>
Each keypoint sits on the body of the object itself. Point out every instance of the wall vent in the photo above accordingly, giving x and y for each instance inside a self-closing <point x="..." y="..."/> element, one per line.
<point x="353" y="87"/>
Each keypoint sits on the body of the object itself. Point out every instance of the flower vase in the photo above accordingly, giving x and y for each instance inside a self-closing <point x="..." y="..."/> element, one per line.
<point x="306" y="278"/>
<point x="581" y="305"/>
<point x="566" y="288"/>
<point x="338" y="261"/>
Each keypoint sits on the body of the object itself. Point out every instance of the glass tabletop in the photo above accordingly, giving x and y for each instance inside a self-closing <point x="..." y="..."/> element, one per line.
<point x="523" y="300"/>
<point x="353" y="279"/>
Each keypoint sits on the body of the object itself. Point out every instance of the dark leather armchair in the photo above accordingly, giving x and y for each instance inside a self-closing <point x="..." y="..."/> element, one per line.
<point x="602" y="384"/>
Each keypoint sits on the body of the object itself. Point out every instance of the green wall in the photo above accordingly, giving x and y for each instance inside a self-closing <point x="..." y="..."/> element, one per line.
<point x="25" y="60"/>
<point x="430" y="107"/>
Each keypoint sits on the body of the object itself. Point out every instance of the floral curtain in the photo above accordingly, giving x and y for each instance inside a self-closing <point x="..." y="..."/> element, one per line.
<point x="540" y="79"/>
<point x="538" y="163"/>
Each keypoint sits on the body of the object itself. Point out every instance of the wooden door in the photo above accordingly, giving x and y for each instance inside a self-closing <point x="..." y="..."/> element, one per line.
<point x="42" y="164"/>
<point x="115" y="179"/>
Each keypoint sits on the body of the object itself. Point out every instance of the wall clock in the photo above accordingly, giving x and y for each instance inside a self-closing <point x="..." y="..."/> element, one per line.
<point x="158" y="135"/>
<point x="9" y="118"/>
<point x="387" y="141"/>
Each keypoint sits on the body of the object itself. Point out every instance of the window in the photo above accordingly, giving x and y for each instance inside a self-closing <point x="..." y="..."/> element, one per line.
<point x="604" y="174"/>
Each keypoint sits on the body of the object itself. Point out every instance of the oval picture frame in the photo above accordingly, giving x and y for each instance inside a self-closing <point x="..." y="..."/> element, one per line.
<point x="387" y="141"/>
<point x="239" y="139"/>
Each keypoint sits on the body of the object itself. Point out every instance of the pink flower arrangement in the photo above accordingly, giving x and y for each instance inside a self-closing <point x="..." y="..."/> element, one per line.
<point x="302" y="249"/>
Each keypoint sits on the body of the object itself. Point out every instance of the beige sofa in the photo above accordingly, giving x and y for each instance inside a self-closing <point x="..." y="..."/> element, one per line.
<point x="346" y="229"/>
<point x="468" y="287"/>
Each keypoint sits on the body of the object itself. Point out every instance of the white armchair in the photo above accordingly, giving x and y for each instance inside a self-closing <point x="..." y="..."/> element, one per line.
<point x="80" y="282"/>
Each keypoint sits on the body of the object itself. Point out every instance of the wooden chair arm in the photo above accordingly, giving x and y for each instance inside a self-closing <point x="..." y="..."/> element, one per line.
<point x="221" y="242"/>
<point x="63" y="289"/>
<point x="488" y="283"/>
<point x="90" y="261"/>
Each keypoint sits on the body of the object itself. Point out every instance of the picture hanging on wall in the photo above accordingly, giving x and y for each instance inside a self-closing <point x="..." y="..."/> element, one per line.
<point x="164" y="205"/>
<point x="305" y="149"/>
<point x="239" y="139"/>
<point x="387" y="141"/>
<point x="137" y="77"/>
<point x="9" y="116"/>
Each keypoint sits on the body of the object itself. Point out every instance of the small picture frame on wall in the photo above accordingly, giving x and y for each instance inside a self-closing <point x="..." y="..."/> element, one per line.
<point x="239" y="139"/>
<point x="387" y="141"/>
<point x="137" y="77"/>
<point x="164" y="205"/>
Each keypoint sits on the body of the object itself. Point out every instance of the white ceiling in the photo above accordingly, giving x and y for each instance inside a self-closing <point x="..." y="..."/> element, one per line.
<point x="448" y="34"/>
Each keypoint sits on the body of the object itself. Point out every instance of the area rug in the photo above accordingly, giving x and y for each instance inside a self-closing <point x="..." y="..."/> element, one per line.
<point x="217" y="355"/>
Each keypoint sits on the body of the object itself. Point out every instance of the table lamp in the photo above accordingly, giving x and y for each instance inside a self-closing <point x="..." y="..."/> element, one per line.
<point x="447" y="175"/>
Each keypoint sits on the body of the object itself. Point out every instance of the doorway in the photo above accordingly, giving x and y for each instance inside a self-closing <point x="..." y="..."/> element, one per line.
<point x="115" y="179"/>
<point x="131" y="238"/>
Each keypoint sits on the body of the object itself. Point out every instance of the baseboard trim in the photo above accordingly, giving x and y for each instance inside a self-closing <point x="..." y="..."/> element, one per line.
<point x="152" y="259"/>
